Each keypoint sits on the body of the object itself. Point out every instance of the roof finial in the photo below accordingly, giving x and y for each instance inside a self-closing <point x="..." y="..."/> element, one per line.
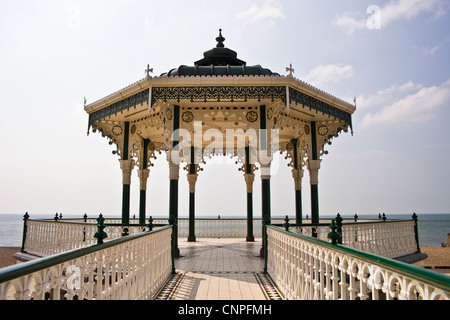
<point x="220" y="40"/>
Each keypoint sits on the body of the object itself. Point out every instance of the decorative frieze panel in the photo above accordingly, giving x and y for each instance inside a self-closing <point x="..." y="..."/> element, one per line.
<point x="221" y="93"/>
<point x="307" y="101"/>
<point x="120" y="106"/>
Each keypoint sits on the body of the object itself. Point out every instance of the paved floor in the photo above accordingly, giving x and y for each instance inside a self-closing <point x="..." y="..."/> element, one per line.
<point x="220" y="269"/>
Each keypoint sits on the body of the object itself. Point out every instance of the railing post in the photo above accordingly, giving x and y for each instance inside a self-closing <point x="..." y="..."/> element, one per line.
<point x="25" y="227"/>
<point x="173" y="241"/>
<point x="100" y="234"/>
<point x="286" y="224"/>
<point x="266" y="222"/>
<point x="150" y="224"/>
<point x="333" y="235"/>
<point x="339" y="227"/>
<point x="84" y="228"/>
<point x="416" y="230"/>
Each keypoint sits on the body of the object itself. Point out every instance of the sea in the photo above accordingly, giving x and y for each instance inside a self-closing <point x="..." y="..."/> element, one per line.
<point x="433" y="228"/>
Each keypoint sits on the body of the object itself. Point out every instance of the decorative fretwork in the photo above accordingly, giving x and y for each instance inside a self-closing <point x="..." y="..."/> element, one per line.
<point x="221" y="93"/>
<point x="320" y="106"/>
<point x="218" y="93"/>
<point x="120" y="106"/>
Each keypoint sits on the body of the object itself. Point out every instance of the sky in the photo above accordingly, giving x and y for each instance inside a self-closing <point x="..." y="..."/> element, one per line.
<point x="392" y="55"/>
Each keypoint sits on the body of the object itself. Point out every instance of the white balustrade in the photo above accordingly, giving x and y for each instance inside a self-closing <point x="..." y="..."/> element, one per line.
<point x="130" y="268"/>
<point x="47" y="237"/>
<point x="390" y="239"/>
<point x="310" y="269"/>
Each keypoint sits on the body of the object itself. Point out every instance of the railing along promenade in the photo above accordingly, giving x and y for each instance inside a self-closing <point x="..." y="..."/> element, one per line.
<point x="388" y="238"/>
<point x="307" y="268"/>
<point x="126" y="268"/>
<point x="136" y="259"/>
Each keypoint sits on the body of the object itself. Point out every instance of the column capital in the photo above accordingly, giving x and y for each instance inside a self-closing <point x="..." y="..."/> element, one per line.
<point x="249" y="179"/>
<point x="127" y="167"/>
<point x="313" y="167"/>
<point x="297" y="174"/>
<point x="143" y="175"/>
<point x="192" y="179"/>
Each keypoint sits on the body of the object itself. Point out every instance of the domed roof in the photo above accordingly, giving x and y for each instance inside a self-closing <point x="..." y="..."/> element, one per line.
<point x="220" y="61"/>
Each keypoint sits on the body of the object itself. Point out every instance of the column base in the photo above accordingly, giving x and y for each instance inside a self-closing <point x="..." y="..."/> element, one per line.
<point x="250" y="239"/>
<point x="261" y="253"/>
<point x="192" y="239"/>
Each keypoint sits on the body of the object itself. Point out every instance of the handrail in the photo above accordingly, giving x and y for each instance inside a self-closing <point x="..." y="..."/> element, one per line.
<point x="420" y="275"/>
<point x="22" y="269"/>
<point x="131" y="267"/>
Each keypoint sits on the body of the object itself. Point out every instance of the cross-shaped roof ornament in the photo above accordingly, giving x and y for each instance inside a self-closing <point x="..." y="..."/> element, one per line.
<point x="148" y="71"/>
<point x="290" y="70"/>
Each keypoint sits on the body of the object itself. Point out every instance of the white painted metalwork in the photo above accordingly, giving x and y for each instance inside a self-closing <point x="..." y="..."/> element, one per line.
<point x="310" y="269"/>
<point x="130" y="268"/>
<point x="390" y="239"/>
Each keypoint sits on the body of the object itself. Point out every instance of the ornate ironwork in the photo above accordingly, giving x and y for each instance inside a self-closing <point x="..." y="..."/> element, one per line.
<point x="320" y="106"/>
<point x="218" y="93"/>
<point x="120" y="106"/>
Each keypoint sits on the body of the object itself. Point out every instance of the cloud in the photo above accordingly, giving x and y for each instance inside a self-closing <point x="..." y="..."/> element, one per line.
<point x="393" y="11"/>
<point x="267" y="12"/>
<point x="416" y="107"/>
<point x="383" y="97"/>
<point x="329" y="73"/>
<point x="431" y="51"/>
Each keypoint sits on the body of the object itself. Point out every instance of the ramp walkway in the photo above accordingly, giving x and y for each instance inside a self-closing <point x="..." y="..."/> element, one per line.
<point x="219" y="269"/>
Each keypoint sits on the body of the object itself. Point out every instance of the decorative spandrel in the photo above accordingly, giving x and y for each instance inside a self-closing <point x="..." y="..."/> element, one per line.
<point x="113" y="131"/>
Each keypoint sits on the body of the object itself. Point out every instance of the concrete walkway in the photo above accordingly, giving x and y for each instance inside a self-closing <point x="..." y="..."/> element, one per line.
<point x="219" y="269"/>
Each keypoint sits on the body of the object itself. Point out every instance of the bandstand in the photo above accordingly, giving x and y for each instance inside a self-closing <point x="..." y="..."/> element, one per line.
<point x="220" y="106"/>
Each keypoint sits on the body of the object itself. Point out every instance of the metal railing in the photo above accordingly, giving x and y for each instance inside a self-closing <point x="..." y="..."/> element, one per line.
<point x="306" y="268"/>
<point x="46" y="237"/>
<point x="388" y="238"/>
<point x="127" y="268"/>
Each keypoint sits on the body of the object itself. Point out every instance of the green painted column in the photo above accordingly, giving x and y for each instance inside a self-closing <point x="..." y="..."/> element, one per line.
<point x="192" y="179"/>
<point x="174" y="171"/>
<point x="297" y="175"/>
<point x="143" y="176"/>
<point x="249" y="178"/>
<point x="265" y="177"/>
<point x="126" y="175"/>
<point x="314" y="167"/>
